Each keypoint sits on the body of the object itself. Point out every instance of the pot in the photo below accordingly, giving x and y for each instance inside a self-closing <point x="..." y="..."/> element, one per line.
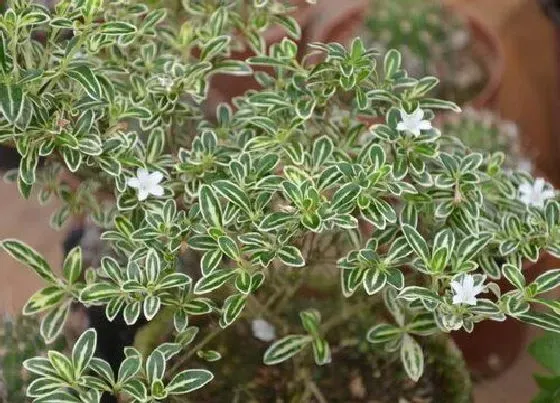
<point x="356" y="374"/>
<point x="487" y="47"/>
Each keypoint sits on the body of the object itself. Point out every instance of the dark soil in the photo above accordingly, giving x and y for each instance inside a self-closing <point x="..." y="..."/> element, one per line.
<point x="357" y="374"/>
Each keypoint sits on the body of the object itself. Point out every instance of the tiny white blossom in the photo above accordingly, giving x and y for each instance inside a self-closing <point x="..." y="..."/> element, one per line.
<point x="166" y="83"/>
<point x="465" y="291"/>
<point x="535" y="194"/>
<point x="414" y="122"/>
<point x="263" y="330"/>
<point x="146" y="183"/>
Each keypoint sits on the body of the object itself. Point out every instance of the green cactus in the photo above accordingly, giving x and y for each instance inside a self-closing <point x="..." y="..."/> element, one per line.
<point x="432" y="40"/>
<point x="485" y="132"/>
<point x="19" y="340"/>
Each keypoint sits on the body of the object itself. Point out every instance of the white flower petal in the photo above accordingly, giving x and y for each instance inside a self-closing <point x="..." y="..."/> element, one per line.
<point x="418" y="114"/>
<point x="425" y="125"/>
<point x="133" y="182"/>
<point x="156" y="190"/>
<point x="548" y="194"/>
<point x="155" y="177"/>
<point x="468" y="281"/>
<point x="456" y="286"/>
<point x="539" y="185"/>
<point x="401" y="126"/>
<point x="525" y="188"/>
<point x="142" y="193"/>
<point x="457" y="300"/>
<point x="404" y="115"/>
<point x="143" y="175"/>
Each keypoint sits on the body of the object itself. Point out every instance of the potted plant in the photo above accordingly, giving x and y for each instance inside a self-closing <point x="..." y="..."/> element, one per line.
<point x="248" y="226"/>
<point x="443" y="41"/>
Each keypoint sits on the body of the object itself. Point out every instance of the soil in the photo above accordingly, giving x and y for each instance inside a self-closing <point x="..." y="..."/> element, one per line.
<point x="358" y="374"/>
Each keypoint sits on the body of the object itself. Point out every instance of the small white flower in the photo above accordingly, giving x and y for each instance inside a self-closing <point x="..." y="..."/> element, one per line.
<point x="166" y="83"/>
<point x="465" y="291"/>
<point x="263" y="330"/>
<point x="146" y="183"/>
<point x="535" y="194"/>
<point x="414" y="122"/>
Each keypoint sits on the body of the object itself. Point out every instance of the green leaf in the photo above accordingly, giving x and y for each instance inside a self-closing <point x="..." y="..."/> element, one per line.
<point x="129" y="368"/>
<point x="210" y="261"/>
<point x="291" y="256"/>
<point x="514" y="276"/>
<point x="234" y="194"/>
<point x="72" y="266"/>
<point x="152" y="304"/>
<point x="83" y="351"/>
<point x="53" y="322"/>
<point x="11" y="101"/>
<point x="547" y="321"/>
<point x="43" y="299"/>
<point x="345" y="196"/>
<point x="413" y="293"/>
<point x="546" y="350"/>
<point x="44" y="386"/>
<point x="374" y="280"/>
<point x="417" y="243"/>
<point x="383" y="333"/>
<point x="88" y="80"/>
<point x="233" y="306"/>
<point x="58" y="397"/>
<point x="117" y="28"/>
<point x="33" y="18"/>
<point x="412" y="357"/>
<point x="391" y="63"/>
<point x="547" y="281"/>
<point x="311" y="319"/>
<point x="136" y="389"/>
<point x="286" y="348"/>
<point x="321" y="351"/>
<point x="153" y="266"/>
<point x="210" y="206"/>
<point x="155" y="366"/>
<point x="275" y="220"/>
<point x="214" y="47"/>
<point x="62" y="365"/>
<point x="99" y="292"/>
<point x="29" y="257"/>
<point x="188" y="381"/>
<point x="28" y="166"/>
<point x="229" y="247"/>
<point x="213" y="281"/>
<point x="322" y="150"/>
<point x="431" y="103"/>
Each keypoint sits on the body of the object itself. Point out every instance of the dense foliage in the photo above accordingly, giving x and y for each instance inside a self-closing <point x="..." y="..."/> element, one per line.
<point x="104" y="101"/>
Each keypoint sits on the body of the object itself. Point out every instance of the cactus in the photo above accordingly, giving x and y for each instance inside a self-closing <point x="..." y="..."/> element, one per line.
<point x="432" y="40"/>
<point x="19" y="340"/>
<point x="483" y="131"/>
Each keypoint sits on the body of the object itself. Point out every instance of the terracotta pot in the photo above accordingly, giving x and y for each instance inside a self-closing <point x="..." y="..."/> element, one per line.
<point x="224" y="87"/>
<point x="493" y="347"/>
<point x="488" y="48"/>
